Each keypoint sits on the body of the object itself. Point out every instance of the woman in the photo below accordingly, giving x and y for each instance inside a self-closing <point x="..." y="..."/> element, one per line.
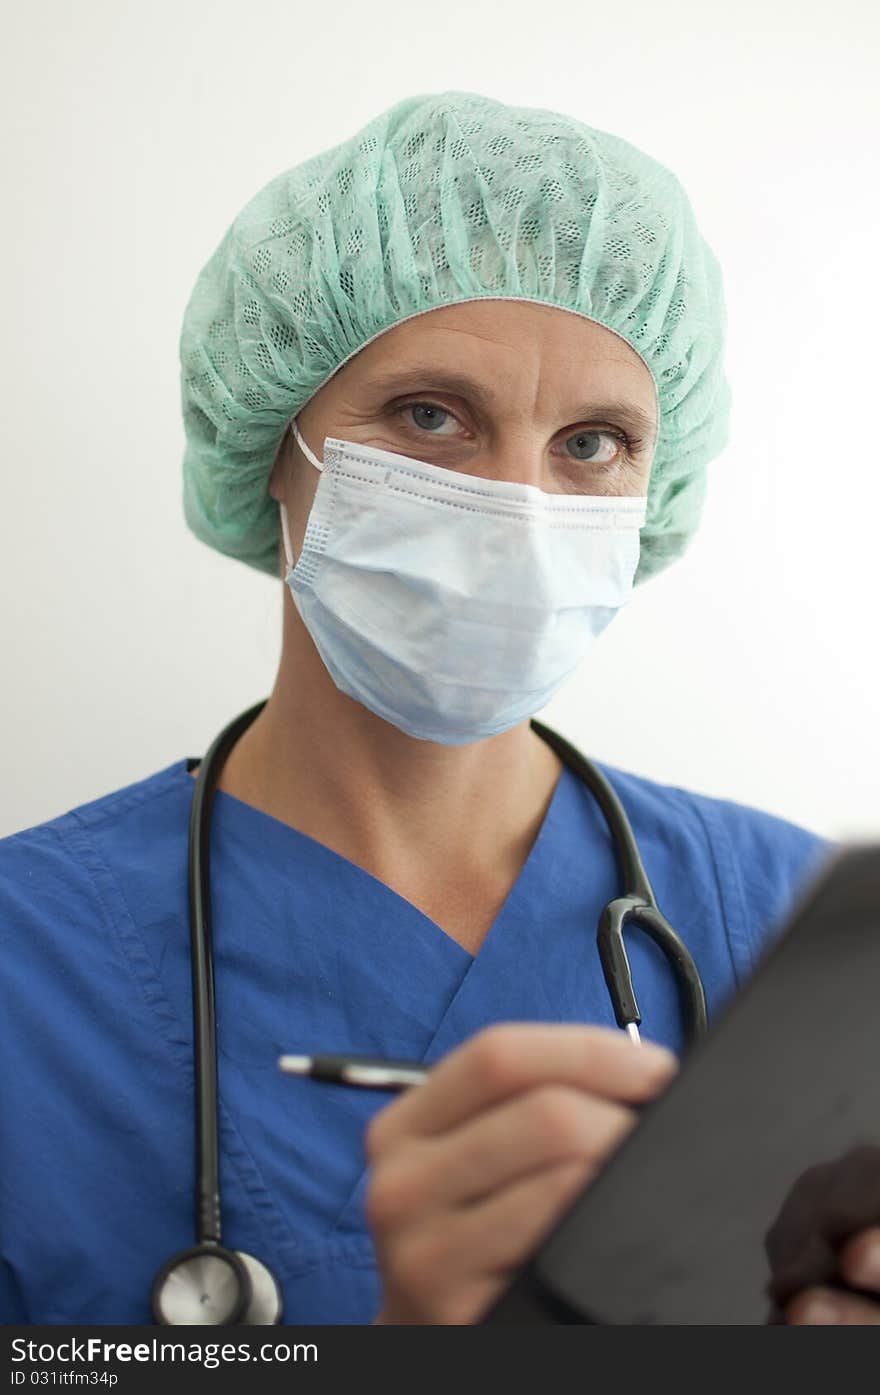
<point x="459" y="378"/>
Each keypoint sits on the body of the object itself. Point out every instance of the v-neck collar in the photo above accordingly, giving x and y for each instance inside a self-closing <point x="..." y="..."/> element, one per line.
<point x="281" y="842"/>
<point x="437" y="992"/>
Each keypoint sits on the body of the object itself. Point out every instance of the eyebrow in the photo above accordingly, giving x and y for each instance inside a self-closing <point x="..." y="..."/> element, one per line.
<point x="626" y="412"/>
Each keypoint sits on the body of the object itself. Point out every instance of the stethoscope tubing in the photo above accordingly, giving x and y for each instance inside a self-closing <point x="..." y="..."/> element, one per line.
<point x="208" y="1215"/>
<point x="638" y="904"/>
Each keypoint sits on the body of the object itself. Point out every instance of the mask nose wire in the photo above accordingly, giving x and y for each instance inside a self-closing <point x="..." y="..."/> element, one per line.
<point x="285" y="530"/>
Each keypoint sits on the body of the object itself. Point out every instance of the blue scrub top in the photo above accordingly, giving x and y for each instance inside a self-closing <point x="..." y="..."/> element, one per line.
<point x="312" y="953"/>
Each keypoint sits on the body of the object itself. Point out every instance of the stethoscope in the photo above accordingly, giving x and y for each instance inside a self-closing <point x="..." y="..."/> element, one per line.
<point x="212" y="1285"/>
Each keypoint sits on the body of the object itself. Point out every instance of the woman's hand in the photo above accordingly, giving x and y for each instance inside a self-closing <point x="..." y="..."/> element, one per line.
<point x="472" y="1167"/>
<point x="859" y="1263"/>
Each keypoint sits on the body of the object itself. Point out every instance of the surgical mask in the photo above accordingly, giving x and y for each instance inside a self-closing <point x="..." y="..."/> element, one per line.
<point x="451" y="605"/>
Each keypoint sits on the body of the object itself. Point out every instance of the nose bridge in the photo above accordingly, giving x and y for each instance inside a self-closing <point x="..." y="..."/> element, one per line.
<point x="520" y="439"/>
<point x="517" y="453"/>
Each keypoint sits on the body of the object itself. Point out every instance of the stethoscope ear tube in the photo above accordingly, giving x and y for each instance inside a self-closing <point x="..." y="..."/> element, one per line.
<point x="690" y="985"/>
<point x="638" y="904"/>
<point x="615" y="960"/>
<point x="618" y="975"/>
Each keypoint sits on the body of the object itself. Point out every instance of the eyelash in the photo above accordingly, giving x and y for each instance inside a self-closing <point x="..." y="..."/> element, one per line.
<point x="631" y="444"/>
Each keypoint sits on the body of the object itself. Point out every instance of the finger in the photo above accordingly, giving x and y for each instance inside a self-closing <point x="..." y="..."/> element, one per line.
<point x="530" y="1133"/>
<point x="508" y="1058"/>
<point x="544" y="1128"/>
<point x="824" y="1306"/>
<point x="451" y="1268"/>
<point x="859" y="1259"/>
<point x="507" y="1228"/>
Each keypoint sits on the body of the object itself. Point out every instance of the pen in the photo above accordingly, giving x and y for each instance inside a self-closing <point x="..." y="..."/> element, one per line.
<point x="370" y="1072"/>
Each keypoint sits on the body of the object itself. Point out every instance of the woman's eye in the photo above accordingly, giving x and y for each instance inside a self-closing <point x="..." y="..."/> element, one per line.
<point x="608" y="448"/>
<point x="429" y="416"/>
<point x="587" y="446"/>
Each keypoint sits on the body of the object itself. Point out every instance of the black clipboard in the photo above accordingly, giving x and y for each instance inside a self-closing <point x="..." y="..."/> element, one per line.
<point x="738" y="1186"/>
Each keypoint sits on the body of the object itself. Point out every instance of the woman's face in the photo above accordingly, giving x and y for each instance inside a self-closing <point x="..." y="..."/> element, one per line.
<point x="507" y="390"/>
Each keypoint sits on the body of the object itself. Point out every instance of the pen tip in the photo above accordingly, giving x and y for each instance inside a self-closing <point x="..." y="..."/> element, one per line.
<point x="295" y="1065"/>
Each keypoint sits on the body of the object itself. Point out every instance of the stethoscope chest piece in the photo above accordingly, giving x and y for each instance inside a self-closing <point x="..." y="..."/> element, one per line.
<point x="266" y="1302"/>
<point x="208" y="1285"/>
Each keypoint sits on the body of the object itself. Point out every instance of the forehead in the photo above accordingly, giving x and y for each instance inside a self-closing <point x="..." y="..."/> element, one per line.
<point x="487" y="348"/>
<point x="503" y="319"/>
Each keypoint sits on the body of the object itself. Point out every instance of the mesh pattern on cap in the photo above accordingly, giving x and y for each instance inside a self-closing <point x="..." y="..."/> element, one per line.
<point x="441" y="199"/>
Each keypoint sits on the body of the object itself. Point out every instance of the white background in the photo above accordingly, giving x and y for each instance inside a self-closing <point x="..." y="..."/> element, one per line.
<point x="132" y="136"/>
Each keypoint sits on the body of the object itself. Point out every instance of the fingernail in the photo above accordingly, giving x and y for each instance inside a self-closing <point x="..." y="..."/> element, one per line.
<point x="821" y="1312"/>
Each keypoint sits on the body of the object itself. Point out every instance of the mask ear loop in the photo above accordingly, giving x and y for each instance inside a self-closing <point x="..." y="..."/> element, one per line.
<point x="304" y="448"/>
<point x="286" y="535"/>
<point x="285" y="531"/>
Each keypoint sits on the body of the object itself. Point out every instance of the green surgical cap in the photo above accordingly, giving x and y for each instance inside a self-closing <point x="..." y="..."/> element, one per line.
<point x="446" y="198"/>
